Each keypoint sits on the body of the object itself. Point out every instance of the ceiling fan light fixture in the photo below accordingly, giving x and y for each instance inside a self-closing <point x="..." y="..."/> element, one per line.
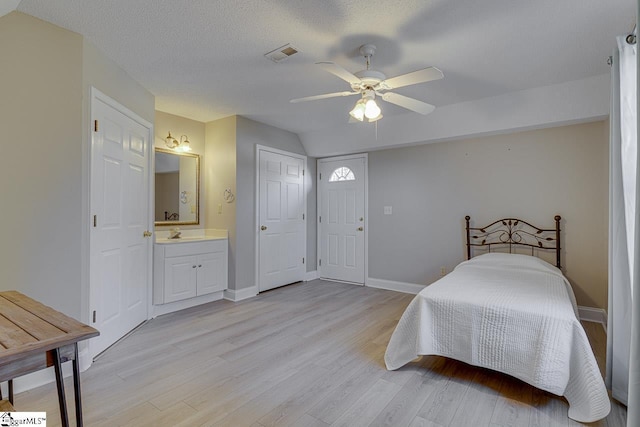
<point x="369" y="82"/>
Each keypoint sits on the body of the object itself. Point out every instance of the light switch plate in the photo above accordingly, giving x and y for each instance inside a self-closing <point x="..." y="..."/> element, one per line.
<point x="388" y="210"/>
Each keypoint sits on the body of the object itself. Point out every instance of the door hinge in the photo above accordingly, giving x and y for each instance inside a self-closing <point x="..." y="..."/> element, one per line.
<point x="320" y="262"/>
<point x="303" y="217"/>
<point x="94" y="316"/>
<point x="320" y="219"/>
<point x="320" y="179"/>
<point x="95" y="125"/>
<point x="303" y="260"/>
<point x="95" y="221"/>
<point x="302" y="172"/>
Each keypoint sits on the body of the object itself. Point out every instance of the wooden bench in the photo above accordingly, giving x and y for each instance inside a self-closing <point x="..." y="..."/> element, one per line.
<point x="35" y="337"/>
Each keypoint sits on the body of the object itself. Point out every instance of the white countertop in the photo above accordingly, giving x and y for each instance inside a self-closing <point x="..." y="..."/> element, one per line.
<point x="188" y="236"/>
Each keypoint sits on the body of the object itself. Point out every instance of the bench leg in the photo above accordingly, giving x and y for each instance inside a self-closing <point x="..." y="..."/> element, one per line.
<point x="76" y="387"/>
<point x="57" y="365"/>
<point x="10" y="385"/>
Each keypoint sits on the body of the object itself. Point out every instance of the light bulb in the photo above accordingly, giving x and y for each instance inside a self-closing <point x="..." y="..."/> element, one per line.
<point x="171" y="141"/>
<point x="184" y="144"/>
<point x="371" y="109"/>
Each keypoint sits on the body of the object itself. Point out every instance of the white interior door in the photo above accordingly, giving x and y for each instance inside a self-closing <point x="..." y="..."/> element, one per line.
<point x="341" y="224"/>
<point x="119" y="270"/>
<point x="281" y="222"/>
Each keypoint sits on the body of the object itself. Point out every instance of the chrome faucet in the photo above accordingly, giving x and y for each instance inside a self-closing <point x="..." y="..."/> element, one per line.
<point x="174" y="233"/>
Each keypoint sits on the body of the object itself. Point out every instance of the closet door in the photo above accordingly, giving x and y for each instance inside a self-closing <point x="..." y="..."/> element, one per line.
<point x="282" y="229"/>
<point x="119" y="240"/>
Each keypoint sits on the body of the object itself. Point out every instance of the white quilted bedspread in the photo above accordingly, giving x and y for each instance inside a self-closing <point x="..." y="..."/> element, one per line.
<point x="511" y="313"/>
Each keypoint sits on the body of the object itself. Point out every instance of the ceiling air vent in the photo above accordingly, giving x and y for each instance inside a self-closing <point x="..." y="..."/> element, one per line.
<point x="281" y="53"/>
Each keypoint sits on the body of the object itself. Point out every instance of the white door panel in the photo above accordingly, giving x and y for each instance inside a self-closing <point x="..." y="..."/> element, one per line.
<point x="119" y="287"/>
<point x="211" y="268"/>
<point x="180" y="274"/>
<point x="135" y="295"/>
<point x="273" y="196"/>
<point x="342" y="205"/>
<point x="110" y="272"/>
<point x="281" y="239"/>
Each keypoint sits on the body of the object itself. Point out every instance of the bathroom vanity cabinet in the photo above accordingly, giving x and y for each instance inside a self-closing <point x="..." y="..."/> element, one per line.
<point x="188" y="268"/>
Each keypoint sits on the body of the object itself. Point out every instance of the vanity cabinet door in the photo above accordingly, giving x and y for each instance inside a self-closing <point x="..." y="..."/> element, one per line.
<point x="180" y="276"/>
<point x="184" y="270"/>
<point x="212" y="272"/>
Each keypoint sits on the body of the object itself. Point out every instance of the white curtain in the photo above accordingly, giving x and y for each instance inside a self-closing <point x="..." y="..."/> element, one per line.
<point x="623" y="349"/>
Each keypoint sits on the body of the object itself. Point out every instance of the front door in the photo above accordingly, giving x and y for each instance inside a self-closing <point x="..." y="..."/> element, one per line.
<point x="341" y="224"/>
<point x="120" y="248"/>
<point x="281" y="222"/>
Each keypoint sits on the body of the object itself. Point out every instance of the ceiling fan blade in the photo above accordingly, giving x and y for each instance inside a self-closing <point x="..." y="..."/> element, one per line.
<point x="420" y="76"/>
<point x="324" y="96"/>
<point x="338" y="71"/>
<point x="408" y="103"/>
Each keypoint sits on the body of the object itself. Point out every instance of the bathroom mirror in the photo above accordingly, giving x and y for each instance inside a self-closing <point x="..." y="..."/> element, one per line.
<point x="177" y="184"/>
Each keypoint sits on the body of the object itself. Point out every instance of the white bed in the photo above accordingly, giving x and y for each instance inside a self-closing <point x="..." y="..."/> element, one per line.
<point x="511" y="313"/>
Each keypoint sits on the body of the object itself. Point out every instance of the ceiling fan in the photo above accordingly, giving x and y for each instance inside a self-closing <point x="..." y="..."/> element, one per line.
<point x="371" y="83"/>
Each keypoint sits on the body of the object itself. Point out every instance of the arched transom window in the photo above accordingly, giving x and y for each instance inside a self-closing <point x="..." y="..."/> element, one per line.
<point x="342" y="174"/>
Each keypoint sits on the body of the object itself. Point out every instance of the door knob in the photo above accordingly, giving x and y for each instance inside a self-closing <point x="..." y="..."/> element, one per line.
<point x="147" y="234"/>
<point x="264" y="227"/>
<point x="360" y="228"/>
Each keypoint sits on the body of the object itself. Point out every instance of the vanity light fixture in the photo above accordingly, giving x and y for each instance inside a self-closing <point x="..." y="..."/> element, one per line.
<point x="174" y="144"/>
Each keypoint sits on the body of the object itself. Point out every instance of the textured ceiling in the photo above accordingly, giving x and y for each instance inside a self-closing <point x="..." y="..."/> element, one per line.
<point x="204" y="60"/>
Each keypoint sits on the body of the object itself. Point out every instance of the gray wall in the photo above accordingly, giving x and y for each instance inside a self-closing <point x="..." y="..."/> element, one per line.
<point x="220" y="174"/>
<point x="531" y="175"/>
<point x="248" y="134"/>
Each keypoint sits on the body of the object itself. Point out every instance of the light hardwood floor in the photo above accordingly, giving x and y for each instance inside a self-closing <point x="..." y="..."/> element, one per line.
<point x="308" y="354"/>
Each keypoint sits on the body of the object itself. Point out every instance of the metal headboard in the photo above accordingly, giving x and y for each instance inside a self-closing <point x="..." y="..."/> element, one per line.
<point x="514" y="232"/>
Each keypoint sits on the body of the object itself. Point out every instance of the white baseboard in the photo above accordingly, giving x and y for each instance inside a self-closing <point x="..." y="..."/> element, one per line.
<point x="407" y="288"/>
<point x="240" y="294"/>
<point x="38" y="378"/>
<point x="311" y="275"/>
<point x="85" y="359"/>
<point x="159" y="310"/>
<point x="592" y="314"/>
<point x="47" y="375"/>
